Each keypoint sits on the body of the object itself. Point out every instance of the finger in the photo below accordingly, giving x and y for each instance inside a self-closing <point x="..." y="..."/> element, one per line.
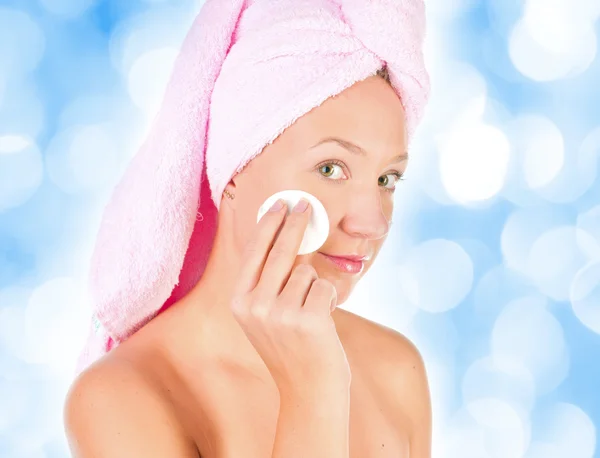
<point x="257" y="249"/>
<point x="321" y="298"/>
<point x="297" y="287"/>
<point x="282" y="255"/>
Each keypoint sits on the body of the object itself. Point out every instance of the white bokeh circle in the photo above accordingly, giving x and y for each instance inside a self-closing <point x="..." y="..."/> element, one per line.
<point x="22" y="42"/>
<point x="69" y="9"/>
<point x="56" y="321"/>
<point x="528" y="334"/>
<point x="501" y="378"/>
<point x="147" y="93"/>
<point x="473" y="161"/>
<point x="522" y="228"/>
<point x="589" y="221"/>
<point x="21" y="170"/>
<point x="438" y="262"/>
<point x="585" y="296"/>
<point x="547" y="45"/>
<point x="568" y="428"/>
<point x="556" y="256"/>
<point x="506" y="433"/>
<point x="83" y="157"/>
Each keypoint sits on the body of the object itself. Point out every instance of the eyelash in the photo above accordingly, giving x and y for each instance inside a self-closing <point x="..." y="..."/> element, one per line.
<point x="399" y="176"/>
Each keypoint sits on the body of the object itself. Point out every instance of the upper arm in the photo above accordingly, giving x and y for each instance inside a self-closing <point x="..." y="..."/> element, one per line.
<point x="112" y="413"/>
<point x="419" y="409"/>
<point x="409" y="393"/>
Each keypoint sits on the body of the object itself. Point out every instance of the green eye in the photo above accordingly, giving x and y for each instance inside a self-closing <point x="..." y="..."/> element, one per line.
<point x="328" y="169"/>
<point x="327" y="166"/>
<point x="384" y="180"/>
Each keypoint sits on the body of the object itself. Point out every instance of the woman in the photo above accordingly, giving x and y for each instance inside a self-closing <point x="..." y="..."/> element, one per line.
<point x="213" y="374"/>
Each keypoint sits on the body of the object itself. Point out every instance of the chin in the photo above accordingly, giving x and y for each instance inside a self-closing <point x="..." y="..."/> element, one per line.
<point x="344" y="284"/>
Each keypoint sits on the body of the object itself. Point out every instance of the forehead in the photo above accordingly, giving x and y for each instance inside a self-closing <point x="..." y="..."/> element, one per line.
<point x="369" y="113"/>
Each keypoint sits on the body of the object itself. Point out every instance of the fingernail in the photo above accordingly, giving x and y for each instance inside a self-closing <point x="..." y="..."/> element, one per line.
<point x="276" y="206"/>
<point x="301" y="206"/>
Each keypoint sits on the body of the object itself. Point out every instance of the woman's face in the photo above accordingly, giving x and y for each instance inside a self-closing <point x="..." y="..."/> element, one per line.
<point x="355" y="188"/>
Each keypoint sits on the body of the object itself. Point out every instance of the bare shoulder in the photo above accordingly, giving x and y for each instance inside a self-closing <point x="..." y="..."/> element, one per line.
<point x="386" y="345"/>
<point x="114" y="409"/>
<point x="399" y="375"/>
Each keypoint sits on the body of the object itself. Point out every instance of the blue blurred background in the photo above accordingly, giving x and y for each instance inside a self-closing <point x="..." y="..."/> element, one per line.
<point x="493" y="266"/>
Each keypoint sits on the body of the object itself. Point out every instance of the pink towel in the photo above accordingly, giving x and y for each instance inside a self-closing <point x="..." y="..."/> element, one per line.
<point x="246" y="71"/>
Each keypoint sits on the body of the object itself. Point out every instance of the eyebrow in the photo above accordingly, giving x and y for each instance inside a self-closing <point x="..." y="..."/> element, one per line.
<point x="355" y="149"/>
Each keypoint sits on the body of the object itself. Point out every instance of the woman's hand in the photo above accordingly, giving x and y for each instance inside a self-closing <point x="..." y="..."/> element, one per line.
<point x="287" y="315"/>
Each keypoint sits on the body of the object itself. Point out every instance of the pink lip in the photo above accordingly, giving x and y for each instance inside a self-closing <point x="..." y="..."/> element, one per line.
<point x="354" y="258"/>
<point x="351" y="266"/>
<point x="350" y="257"/>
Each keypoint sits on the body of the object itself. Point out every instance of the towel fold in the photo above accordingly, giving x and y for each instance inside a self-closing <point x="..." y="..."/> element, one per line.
<point x="246" y="71"/>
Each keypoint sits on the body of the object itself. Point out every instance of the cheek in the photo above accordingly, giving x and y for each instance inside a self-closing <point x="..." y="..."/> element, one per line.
<point x="387" y="207"/>
<point x="244" y="224"/>
<point x="376" y="249"/>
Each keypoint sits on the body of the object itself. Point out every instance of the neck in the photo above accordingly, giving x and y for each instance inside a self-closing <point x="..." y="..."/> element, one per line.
<point x="206" y="308"/>
<point x="212" y="294"/>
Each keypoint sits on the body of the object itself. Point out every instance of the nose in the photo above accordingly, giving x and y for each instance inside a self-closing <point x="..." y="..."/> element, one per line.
<point x="366" y="218"/>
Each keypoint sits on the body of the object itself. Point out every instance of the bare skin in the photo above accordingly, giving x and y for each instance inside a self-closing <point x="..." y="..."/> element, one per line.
<point x="191" y="384"/>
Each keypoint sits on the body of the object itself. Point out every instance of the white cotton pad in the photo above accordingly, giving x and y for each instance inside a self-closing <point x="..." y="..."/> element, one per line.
<point x="318" y="226"/>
